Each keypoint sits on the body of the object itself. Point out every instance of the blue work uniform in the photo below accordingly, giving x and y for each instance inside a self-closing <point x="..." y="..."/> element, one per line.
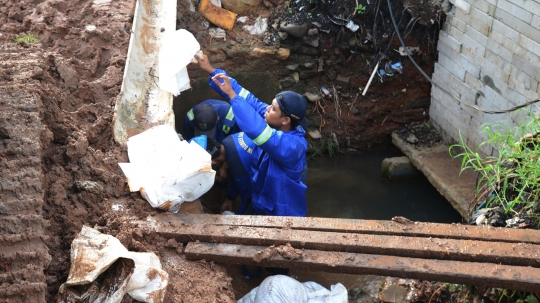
<point x="239" y="154"/>
<point x="225" y="126"/>
<point x="277" y="189"/>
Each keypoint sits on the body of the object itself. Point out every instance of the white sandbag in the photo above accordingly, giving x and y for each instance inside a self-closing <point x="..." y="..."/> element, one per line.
<point x="177" y="51"/>
<point x="92" y="253"/>
<point x="148" y="279"/>
<point x="281" y="289"/>
<point x="165" y="170"/>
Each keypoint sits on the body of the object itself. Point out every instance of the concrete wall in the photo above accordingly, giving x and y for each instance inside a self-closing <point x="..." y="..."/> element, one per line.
<point x="489" y="56"/>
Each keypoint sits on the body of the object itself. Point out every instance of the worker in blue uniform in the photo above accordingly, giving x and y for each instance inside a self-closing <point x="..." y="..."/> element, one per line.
<point x="278" y="132"/>
<point x="239" y="157"/>
<point x="213" y="118"/>
<point x="232" y="160"/>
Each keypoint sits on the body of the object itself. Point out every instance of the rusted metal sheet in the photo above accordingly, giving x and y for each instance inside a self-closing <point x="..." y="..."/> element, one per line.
<point x="519" y="254"/>
<point x="470" y="273"/>
<point x="374" y="227"/>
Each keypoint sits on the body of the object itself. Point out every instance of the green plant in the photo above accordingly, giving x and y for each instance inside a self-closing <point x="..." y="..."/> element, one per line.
<point x="310" y="16"/>
<point x="452" y="287"/>
<point x="332" y="148"/>
<point x="509" y="179"/>
<point x="26" y="39"/>
<point x="360" y="9"/>
<point x="324" y="146"/>
<point x="517" y="296"/>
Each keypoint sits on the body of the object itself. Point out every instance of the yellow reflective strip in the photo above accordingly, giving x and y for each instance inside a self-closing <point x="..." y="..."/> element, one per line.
<point x="226" y="129"/>
<point x="264" y="136"/>
<point x="243" y="93"/>
<point x="230" y="115"/>
<point x="190" y="115"/>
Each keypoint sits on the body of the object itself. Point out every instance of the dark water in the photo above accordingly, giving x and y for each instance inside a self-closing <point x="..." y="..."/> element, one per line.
<point x="350" y="186"/>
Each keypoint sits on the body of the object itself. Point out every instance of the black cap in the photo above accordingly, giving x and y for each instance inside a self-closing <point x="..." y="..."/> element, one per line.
<point x="294" y="106"/>
<point x="205" y="120"/>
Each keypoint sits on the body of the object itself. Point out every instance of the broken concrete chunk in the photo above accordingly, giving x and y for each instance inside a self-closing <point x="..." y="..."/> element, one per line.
<point x="296" y="77"/>
<point x="412" y="139"/>
<point x="292" y="66"/>
<point x="354" y="110"/>
<point x="312" y="97"/>
<point x="283" y="53"/>
<point x="412" y="50"/>
<point x="343" y="80"/>
<point x="89" y="186"/>
<point x="314" y="134"/>
<point x="296" y="30"/>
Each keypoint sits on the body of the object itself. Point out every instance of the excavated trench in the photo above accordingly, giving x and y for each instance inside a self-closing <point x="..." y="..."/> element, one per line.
<point x="59" y="158"/>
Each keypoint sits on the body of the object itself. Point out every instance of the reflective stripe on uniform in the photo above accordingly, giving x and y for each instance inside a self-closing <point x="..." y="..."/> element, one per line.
<point x="190" y="115"/>
<point x="243" y="93"/>
<point x="226" y="129"/>
<point x="264" y="136"/>
<point x="230" y="115"/>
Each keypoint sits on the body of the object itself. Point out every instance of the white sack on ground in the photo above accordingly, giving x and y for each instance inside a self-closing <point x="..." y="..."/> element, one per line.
<point x="166" y="170"/>
<point x="177" y="51"/>
<point x="92" y="253"/>
<point x="280" y="289"/>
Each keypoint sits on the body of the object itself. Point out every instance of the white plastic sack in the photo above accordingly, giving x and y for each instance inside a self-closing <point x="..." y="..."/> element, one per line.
<point x="93" y="252"/>
<point x="166" y="171"/>
<point x="280" y="289"/>
<point x="177" y="51"/>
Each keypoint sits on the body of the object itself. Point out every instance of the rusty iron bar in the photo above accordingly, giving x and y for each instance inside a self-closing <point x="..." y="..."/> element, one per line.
<point x="374" y="227"/>
<point x="517" y="254"/>
<point x="470" y="273"/>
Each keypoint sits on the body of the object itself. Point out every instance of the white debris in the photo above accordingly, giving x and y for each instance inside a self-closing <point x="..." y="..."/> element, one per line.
<point x="90" y="28"/>
<point x="166" y="171"/>
<point x="92" y="253"/>
<point x="258" y="28"/>
<point x="217" y="33"/>
<point x="353" y="27"/>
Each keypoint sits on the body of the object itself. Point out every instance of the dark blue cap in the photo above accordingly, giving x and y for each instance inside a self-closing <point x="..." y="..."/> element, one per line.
<point x="294" y="106"/>
<point x="205" y="120"/>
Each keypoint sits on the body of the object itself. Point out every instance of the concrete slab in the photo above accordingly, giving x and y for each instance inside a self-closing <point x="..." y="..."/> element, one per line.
<point x="443" y="172"/>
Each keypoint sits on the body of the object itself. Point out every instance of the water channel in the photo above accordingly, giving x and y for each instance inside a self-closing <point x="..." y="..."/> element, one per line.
<point x="351" y="186"/>
<point x="346" y="186"/>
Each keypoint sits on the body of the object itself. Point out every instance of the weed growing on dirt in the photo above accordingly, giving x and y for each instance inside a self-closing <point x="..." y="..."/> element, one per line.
<point x="511" y="179"/>
<point x="360" y="9"/>
<point x="517" y="296"/>
<point x="323" y="147"/>
<point x="26" y="39"/>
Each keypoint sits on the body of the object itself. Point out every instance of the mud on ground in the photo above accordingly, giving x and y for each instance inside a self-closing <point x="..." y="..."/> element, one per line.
<point x="77" y="72"/>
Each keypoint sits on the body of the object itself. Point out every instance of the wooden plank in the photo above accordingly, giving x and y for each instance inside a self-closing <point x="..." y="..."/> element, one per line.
<point x="520" y="254"/>
<point x="469" y="273"/>
<point x="374" y="227"/>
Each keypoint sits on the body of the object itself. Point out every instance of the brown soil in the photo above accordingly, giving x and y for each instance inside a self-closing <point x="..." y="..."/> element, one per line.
<point x="75" y="75"/>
